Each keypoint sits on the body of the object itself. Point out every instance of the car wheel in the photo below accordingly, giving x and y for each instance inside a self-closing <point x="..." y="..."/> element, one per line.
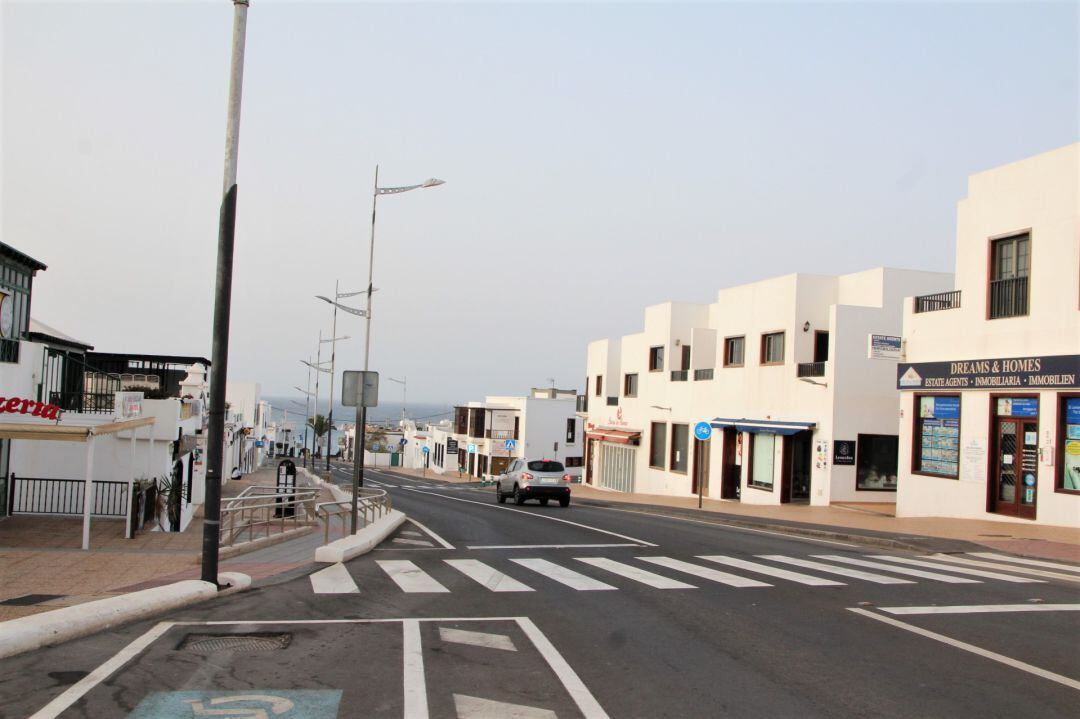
<point x="519" y="498"/>
<point x="564" y="502"/>
<point x="543" y="502"/>
<point x="499" y="494"/>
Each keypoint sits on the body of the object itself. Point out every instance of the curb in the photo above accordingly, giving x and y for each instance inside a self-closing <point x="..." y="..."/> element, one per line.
<point x="62" y="625"/>
<point x="362" y="542"/>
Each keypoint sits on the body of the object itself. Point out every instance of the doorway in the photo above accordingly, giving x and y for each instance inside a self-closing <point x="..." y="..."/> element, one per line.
<point x="700" y="476"/>
<point x="731" y="466"/>
<point x="821" y="346"/>
<point x="798" y="458"/>
<point x="1014" y="457"/>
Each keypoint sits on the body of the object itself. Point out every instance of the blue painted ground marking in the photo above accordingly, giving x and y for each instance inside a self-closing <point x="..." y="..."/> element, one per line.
<point x="245" y="704"/>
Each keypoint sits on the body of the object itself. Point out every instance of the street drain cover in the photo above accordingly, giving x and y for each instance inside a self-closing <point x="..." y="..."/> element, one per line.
<point x="206" y="643"/>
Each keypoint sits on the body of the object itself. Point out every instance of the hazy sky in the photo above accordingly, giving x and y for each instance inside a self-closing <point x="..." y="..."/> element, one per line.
<point x="598" y="158"/>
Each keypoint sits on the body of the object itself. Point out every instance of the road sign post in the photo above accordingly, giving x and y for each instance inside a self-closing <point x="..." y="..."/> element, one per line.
<point x="425" y="451"/>
<point x="702" y="432"/>
<point x="360" y="390"/>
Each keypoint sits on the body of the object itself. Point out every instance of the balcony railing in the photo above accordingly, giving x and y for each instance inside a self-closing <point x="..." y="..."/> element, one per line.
<point x="703" y="374"/>
<point x="811" y="369"/>
<point x="939" y="301"/>
<point x="612" y="401"/>
<point x="75" y="386"/>
<point x="9" y="350"/>
<point x="500" y="434"/>
<point x="582" y="403"/>
<point x="1009" y="298"/>
<point x="679" y="375"/>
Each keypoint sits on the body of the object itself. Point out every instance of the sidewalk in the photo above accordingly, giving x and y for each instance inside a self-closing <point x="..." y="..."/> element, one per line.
<point x="43" y="568"/>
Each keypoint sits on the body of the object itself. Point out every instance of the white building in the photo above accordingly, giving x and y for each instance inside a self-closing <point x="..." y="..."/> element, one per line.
<point x="780" y="369"/>
<point x="990" y="411"/>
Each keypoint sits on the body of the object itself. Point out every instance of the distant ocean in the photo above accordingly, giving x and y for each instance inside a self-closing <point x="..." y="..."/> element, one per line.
<point x="388" y="410"/>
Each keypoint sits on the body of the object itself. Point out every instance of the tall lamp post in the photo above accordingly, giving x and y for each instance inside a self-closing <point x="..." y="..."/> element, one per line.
<point x="333" y="355"/>
<point x="307" y="411"/>
<point x="404" y="382"/>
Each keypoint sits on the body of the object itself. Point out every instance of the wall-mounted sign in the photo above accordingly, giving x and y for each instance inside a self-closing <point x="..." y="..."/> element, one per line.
<point x="128" y="405"/>
<point x="451" y="446"/>
<point x="472" y="449"/>
<point x="939" y="407"/>
<point x="18" y="405"/>
<point x="843" y="452"/>
<point x="1018" y="407"/>
<point x="1054" y="372"/>
<point x="886" y="347"/>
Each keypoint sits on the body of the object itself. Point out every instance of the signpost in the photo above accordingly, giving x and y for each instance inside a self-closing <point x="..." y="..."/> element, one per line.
<point x="703" y="432"/>
<point x="360" y="390"/>
<point x="426" y="450"/>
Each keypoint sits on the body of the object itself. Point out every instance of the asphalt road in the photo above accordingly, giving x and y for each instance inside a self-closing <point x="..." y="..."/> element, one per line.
<point x="486" y="610"/>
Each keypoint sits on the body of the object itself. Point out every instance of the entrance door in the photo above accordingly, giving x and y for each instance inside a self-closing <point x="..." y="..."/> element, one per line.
<point x="796" y="480"/>
<point x="1016" y="467"/>
<point x="821" y="346"/>
<point x="731" y="471"/>
<point x="701" y="467"/>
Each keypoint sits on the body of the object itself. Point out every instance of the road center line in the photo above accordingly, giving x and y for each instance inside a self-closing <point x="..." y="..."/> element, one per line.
<point x="993" y="656"/>
<point x="641" y="542"/>
<point x="414" y="684"/>
<point x="983" y="609"/>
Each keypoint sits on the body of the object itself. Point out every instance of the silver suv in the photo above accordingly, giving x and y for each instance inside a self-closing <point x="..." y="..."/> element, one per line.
<point x="541" y="479"/>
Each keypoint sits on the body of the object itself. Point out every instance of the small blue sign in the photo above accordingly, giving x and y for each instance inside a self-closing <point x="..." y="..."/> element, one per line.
<point x="509" y="444"/>
<point x="259" y="443"/>
<point x="472" y="449"/>
<point x="404" y="441"/>
<point x="311" y="704"/>
<point x="1072" y="411"/>
<point x="703" y="431"/>
<point x="426" y="450"/>
<point x="1018" y="407"/>
<point x="375" y="447"/>
<point x="940" y="408"/>
<point x="1029" y="480"/>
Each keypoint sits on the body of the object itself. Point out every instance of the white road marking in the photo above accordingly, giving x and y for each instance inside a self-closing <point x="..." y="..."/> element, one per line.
<point x="547" y="546"/>
<point x="562" y="575"/>
<point x="638" y="575"/>
<point x="984" y="609"/>
<point x="959" y="570"/>
<point x="640" y="542"/>
<point x="773" y="571"/>
<point x="586" y="702"/>
<point x="899" y="570"/>
<point x="410" y="533"/>
<point x="1005" y="567"/>
<point x="409" y="577"/>
<point x="830" y="569"/>
<point x="1022" y="560"/>
<point x="415" y="685"/>
<point x="335" y="579"/>
<point x="414" y="542"/>
<point x="79" y="689"/>
<point x="715" y="575"/>
<point x="476" y="708"/>
<point x="994" y="656"/>
<point x="477" y="639"/>
<point x="489" y="577"/>
<point x="431" y="534"/>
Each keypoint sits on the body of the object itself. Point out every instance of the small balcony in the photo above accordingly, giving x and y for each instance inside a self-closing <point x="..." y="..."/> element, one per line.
<point x="9" y="350"/>
<point x="938" y="301"/>
<point x="679" y="375"/>
<point x="811" y="369"/>
<point x="1009" y="298"/>
<point x="582" y="403"/>
<point x="700" y="374"/>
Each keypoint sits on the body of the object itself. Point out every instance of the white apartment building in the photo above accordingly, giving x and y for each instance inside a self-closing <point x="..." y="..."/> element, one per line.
<point x="990" y="410"/>
<point x="542" y="424"/>
<point x="802" y="406"/>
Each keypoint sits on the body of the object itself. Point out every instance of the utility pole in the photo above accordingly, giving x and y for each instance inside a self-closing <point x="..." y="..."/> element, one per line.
<point x="219" y="352"/>
<point x="333" y="354"/>
<point x="361" y="419"/>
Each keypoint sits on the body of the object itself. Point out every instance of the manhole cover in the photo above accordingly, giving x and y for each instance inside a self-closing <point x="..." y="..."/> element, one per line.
<point x="234" y="642"/>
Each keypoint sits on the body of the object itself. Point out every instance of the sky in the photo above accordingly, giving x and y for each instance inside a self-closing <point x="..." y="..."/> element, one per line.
<point x="598" y="158"/>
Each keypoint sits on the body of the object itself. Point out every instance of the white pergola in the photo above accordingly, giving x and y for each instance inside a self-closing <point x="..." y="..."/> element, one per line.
<point x="85" y="434"/>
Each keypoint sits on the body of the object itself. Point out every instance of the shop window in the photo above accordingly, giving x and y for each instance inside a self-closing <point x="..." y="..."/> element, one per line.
<point x="656" y="359"/>
<point x="1069" y="445"/>
<point x="574" y="462"/>
<point x="772" y="348"/>
<point x="657" y="444"/>
<point x="762" y="455"/>
<point x="734" y="351"/>
<point x="875" y="464"/>
<point x="630" y="385"/>
<point x="936" y="440"/>
<point x="679" y="435"/>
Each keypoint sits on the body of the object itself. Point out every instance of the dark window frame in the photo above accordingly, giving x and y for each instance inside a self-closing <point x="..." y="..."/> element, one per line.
<point x="771" y="487"/>
<point x="727" y="351"/>
<point x="864" y="442"/>
<point x="626" y="384"/>
<point x="783" y="348"/>
<point x="685" y="449"/>
<point x="992" y="270"/>
<point x="571" y="430"/>
<point x="916" y="436"/>
<point x="657" y="429"/>
<point x="599" y="385"/>
<point x="656" y="358"/>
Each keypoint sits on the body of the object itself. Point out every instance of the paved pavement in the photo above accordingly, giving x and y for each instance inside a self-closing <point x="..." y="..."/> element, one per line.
<point x="478" y="609"/>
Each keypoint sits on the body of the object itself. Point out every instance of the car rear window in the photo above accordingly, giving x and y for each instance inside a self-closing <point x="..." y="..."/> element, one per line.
<point x="545" y="465"/>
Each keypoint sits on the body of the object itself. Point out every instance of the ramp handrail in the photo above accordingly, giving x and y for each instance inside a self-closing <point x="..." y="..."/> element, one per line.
<point x="370" y="505"/>
<point x="261" y="506"/>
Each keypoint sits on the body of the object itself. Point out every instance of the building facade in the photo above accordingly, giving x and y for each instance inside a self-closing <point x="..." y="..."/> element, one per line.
<point x="990" y="410"/>
<point x="793" y="374"/>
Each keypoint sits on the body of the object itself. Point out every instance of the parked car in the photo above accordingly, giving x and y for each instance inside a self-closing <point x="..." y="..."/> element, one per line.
<point x="542" y="479"/>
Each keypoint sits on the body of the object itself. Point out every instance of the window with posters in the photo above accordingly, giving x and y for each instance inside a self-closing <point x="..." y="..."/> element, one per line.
<point x="937" y="436"/>
<point x="1069" y="445"/>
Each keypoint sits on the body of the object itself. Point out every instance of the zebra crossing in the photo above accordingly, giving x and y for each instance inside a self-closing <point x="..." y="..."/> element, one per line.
<point x="529" y="574"/>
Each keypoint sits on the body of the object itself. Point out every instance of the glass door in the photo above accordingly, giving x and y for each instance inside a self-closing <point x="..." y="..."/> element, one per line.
<point x="1016" y="467"/>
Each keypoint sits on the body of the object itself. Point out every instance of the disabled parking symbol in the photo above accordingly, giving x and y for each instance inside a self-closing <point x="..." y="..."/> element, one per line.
<point x="247" y="704"/>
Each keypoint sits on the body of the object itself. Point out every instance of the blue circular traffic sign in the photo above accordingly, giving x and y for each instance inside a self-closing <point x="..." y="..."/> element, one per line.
<point x="703" y="430"/>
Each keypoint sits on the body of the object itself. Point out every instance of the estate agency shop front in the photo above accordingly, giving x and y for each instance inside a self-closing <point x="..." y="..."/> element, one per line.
<point x="1006" y="431"/>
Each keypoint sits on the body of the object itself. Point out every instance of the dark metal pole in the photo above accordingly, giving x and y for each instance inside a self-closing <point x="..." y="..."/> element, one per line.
<point x="358" y="460"/>
<point x="219" y="354"/>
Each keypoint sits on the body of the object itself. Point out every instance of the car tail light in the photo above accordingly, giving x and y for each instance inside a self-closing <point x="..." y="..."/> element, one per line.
<point x="567" y="478"/>
<point x="526" y="475"/>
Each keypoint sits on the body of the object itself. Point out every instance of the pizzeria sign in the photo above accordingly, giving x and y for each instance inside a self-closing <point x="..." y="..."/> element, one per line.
<point x="1032" y="373"/>
<point x="19" y="405"/>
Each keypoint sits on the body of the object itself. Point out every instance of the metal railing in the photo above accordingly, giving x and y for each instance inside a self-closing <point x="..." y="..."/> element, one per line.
<point x="258" y="509"/>
<point x="703" y="374"/>
<point x="811" y="369"/>
<point x="679" y="375"/>
<point x="75" y="386"/>
<point x="35" y="495"/>
<point x="9" y="350"/>
<point x="937" y="301"/>
<point x="1009" y="298"/>
<point x="500" y="434"/>
<point x="370" y="505"/>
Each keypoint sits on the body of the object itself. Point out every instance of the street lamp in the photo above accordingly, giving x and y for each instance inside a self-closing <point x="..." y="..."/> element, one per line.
<point x="358" y="464"/>
<point x="404" y="395"/>
<point x="333" y="355"/>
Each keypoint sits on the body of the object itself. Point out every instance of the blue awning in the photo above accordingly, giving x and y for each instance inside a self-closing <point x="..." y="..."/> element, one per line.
<point x="763" y="426"/>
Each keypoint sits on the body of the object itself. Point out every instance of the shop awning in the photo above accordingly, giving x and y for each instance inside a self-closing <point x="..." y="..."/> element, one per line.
<point x="618" y="436"/>
<point x="763" y="426"/>
<point x="67" y="433"/>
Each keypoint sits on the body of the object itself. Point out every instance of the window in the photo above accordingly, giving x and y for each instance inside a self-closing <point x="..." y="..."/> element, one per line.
<point x="1069" y="445"/>
<point x="656" y="359"/>
<point x="657" y="444"/>
<point x="772" y="348"/>
<point x="762" y="453"/>
<point x="936" y="440"/>
<point x="679" y="435"/>
<point x="599" y="385"/>
<point x="571" y="430"/>
<point x="546" y="465"/>
<point x="575" y="462"/>
<point x="630" y="385"/>
<point x="1010" y="263"/>
<point x="875" y="464"/>
<point x="734" y="349"/>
